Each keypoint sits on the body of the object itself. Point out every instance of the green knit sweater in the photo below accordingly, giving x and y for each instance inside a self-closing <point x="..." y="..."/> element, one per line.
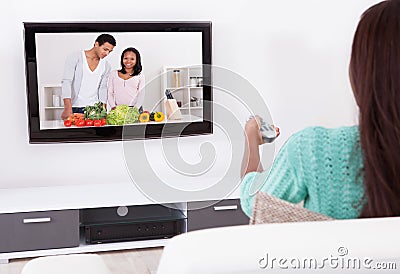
<point x="320" y="166"/>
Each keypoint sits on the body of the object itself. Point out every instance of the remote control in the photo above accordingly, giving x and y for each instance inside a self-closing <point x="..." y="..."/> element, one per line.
<point x="268" y="132"/>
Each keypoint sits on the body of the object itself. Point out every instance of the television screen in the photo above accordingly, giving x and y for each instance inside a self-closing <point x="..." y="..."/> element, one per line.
<point x="151" y="80"/>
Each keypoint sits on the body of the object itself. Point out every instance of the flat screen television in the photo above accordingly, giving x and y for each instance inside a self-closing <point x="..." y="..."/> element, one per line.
<point x="175" y="58"/>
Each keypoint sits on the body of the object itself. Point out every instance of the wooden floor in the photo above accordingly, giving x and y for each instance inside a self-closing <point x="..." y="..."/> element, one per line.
<point x="137" y="261"/>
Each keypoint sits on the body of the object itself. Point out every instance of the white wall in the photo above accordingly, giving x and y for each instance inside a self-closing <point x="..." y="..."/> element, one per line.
<point x="294" y="52"/>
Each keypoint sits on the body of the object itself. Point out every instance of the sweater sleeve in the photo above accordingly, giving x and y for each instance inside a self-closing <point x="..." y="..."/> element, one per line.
<point x="110" y="91"/>
<point x="68" y="75"/>
<point x="283" y="180"/>
<point x="103" y="83"/>
<point x="140" y="97"/>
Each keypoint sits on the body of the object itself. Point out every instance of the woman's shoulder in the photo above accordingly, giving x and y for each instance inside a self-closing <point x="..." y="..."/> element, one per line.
<point x="114" y="73"/>
<point x="321" y="136"/>
<point x="140" y="75"/>
<point x="319" y="131"/>
<point x="316" y="142"/>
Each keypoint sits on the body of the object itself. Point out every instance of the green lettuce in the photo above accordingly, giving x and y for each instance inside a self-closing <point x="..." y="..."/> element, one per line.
<point x="123" y="114"/>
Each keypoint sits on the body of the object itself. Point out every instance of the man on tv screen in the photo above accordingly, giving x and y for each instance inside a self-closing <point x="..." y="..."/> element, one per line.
<point x="85" y="76"/>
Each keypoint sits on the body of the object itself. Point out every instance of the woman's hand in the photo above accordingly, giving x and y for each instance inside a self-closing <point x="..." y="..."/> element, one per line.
<point x="251" y="157"/>
<point x="252" y="131"/>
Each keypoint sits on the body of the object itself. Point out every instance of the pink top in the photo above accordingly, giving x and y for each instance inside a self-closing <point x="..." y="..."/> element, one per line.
<point x="129" y="92"/>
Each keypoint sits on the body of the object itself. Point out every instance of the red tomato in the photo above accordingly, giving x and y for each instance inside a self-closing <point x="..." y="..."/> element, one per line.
<point x="97" y="123"/>
<point x="88" y="122"/>
<point x="103" y="121"/>
<point x="80" y="123"/>
<point x="67" y="123"/>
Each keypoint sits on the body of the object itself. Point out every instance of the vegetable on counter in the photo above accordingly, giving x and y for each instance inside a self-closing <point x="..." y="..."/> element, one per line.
<point x="88" y="122"/>
<point x="97" y="116"/>
<point x="97" y="123"/>
<point x="95" y="112"/>
<point x="151" y="117"/>
<point x="158" y="116"/>
<point x="80" y="123"/>
<point x="78" y="120"/>
<point x="144" y="117"/>
<point x="67" y="123"/>
<point x="123" y="114"/>
<point x="73" y="118"/>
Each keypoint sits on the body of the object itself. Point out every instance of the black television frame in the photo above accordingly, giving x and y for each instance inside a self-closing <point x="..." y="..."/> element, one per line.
<point x="115" y="133"/>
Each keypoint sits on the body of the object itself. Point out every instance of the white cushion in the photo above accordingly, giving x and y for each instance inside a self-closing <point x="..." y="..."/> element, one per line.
<point x="67" y="264"/>
<point x="243" y="249"/>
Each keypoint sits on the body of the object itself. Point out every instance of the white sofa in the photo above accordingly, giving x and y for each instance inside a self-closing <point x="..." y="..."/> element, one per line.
<point x="248" y="249"/>
<point x="67" y="264"/>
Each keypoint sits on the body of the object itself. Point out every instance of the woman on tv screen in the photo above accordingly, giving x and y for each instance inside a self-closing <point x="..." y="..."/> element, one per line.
<point x="126" y="85"/>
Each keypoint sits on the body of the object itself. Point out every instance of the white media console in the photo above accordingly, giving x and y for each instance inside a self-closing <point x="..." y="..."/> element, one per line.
<point x="44" y="221"/>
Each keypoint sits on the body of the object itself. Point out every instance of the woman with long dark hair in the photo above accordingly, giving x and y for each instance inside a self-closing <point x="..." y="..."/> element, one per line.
<point x="345" y="172"/>
<point x="126" y="85"/>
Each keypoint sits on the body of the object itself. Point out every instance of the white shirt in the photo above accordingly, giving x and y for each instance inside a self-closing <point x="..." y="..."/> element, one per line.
<point x="89" y="91"/>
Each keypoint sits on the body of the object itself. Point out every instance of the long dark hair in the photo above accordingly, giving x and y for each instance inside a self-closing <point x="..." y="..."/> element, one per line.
<point x="375" y="79"/>
<point x="137" y="68"/>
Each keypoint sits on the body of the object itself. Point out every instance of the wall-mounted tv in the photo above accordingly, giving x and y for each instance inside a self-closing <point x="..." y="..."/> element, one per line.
<point x="175" y="59"/>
